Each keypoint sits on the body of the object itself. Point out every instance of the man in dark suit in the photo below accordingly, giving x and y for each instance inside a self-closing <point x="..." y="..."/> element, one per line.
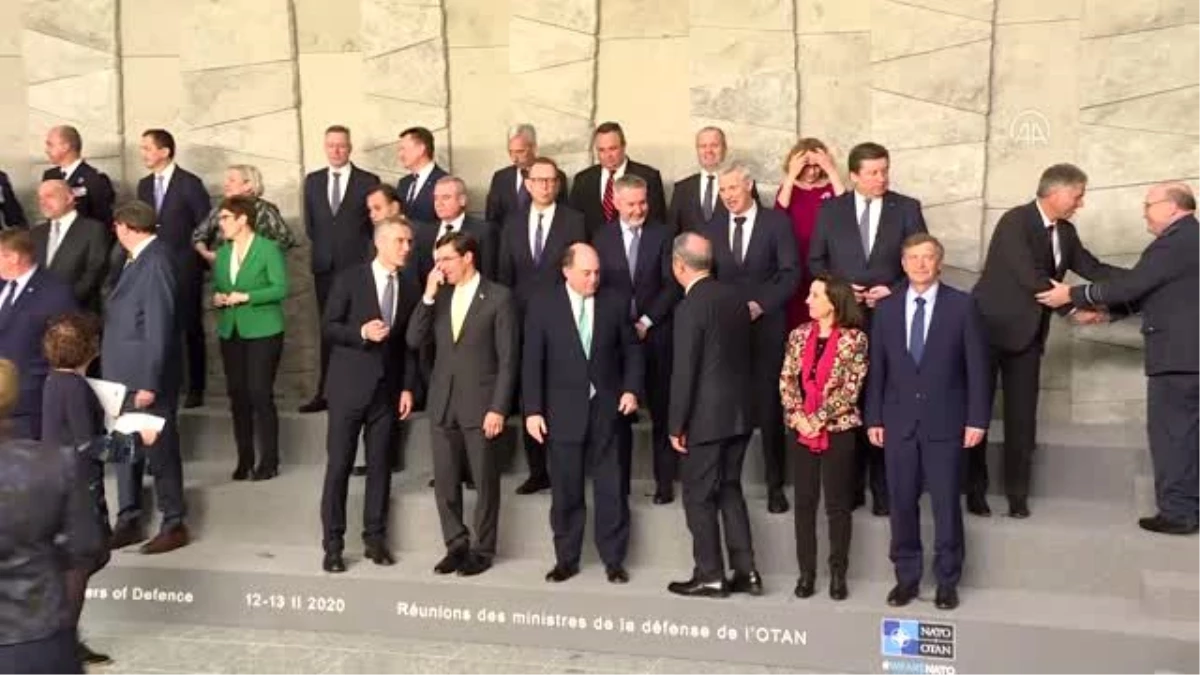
<point x="181" y="202"/>
<point x="1162" y="288"/>
<point x="695" y="200"/>
<point x="709" y="421"/>
<point x="1031" y="245"/>
<point x="592" y="191"/>
<point x="140" y="349"/>
<point x="30" y="297"/>
<point x="531" y="244"/>
<point x="474" y="326"/>
<point x="371" y="377"/>
<point x="635" y="263"/>
<point x="924" y="411"/>
<point x="93" y="190"/>
<point x="450" y="207"/>
<point x="507" y="194"/>
<point x="73" y="249"/>
<point x="581" y="377"/>
<point x="416" y="189"/>
<point x="858" y="237"/>
<point x="338" y="225"/>
<point x="11" y="213"/>
<point x="754" y="251"/>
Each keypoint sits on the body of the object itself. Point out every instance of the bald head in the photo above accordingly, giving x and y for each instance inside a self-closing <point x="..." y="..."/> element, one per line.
<point x="55" y="199"/>
<point x="581" y="268"/>
<point x="1166" y="203"/>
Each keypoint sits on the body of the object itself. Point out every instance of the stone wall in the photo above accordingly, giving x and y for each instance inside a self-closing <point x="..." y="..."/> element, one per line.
<point x="973" y="97"/>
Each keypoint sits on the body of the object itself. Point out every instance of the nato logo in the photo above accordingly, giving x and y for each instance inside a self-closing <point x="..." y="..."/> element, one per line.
<point x="899" y="637"/>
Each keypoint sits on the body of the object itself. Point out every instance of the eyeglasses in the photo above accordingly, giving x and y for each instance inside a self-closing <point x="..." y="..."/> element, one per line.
<point x="1146" y="205"/>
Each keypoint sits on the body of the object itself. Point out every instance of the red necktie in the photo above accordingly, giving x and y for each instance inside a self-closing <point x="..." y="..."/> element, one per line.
<point x="610" y="209"/>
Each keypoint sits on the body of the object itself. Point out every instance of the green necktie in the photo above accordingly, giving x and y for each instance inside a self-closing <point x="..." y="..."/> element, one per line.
<point x="585" y="329"/>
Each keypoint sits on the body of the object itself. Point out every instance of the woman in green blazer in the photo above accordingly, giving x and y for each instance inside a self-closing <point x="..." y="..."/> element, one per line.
<point x="250" y="283"/>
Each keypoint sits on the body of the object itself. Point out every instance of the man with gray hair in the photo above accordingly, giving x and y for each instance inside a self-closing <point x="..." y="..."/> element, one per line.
<point x="450" y="206"/>
<point x="1033" y="245"/>
<point x="1162" y="288"/>
<point x="507" y="194"/>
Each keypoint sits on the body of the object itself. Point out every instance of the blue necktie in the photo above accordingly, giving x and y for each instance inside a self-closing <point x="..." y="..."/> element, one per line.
<point x="916" y="334"/>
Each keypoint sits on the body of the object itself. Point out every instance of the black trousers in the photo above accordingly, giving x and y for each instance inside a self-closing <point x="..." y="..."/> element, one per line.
<point x="322" y="282"/>
<point x="657" y="349"/>
<point x="835" y="469"/>
<point x="451" y="444"/>
<point x="53" y="654"/>
<point x="598" y="453"/>
<point x="1020" y="376"/>
<point x="712" y="497"/>
<point x="166" y="465"/>
<point x="1172" y="404"/>
<point x="765" y="363"/>
<point x="376" y="421"/>
<point x="250" y="367"/>
<point x="191" y="318"/>
<point x="914" y="463"/>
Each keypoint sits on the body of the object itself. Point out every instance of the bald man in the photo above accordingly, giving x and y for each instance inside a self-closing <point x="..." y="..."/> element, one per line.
<point x="94" y="196"/>
<point x="72" y="247"/>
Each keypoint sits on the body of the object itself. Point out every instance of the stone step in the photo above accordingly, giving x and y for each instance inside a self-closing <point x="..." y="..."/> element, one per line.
<point x="274" y="585"/>
<point x="1088" y="462"/>
<point x="1105" y="549"/>
<point x="1171" y="595"/>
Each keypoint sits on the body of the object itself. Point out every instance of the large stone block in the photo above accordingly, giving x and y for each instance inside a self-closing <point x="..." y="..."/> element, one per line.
<point x="576" y="15"/>
<point x="534" y="46"/>
<point x="331" y="92"/>
<point x="148" y="30"/>
<point x="833" y="16"/>
<point x="1108" y="384"/>
<point x="569" y="87"/>
<point x="959" y="226"/>
<point x="51" y="58"/>
<point x="899" y="122"/>
<point x="323" y="26"/>
<point x="478" y="78"/>
<point x="235" y="32"/>
<point x="978" y="10"/>
<point x="941" y="175"/>
<point x="955" y="76"/>
<point x="1172" y="112"/>
<point x="86" y="22"/>
<point x="98" y="141"/>
<point x="14" y="159"/>
<point x="763" y="15"/>
<point x="415" y="73"/>
<point x="759" y="148"/>
<point x="152" y="91"/>
<point x="384" y="119"/>
<point x="1117" y="68"/>
<point x="1105" y="17"/>
<point x="477" y="23"/>
<point x="393" y="25"/>
<point x="637" y="19"/>
<point x="1111" y="221"/>
<point x="565" y="137"/>
<point x="1120" y="156"/>
<point x="835" y="81"/>
<point x="216" y="96"/>
<point x="91" y="100"/>
<point x="10" y="29"/>
<point x="273" y="135"/>
<point x="744" y="76"/>
<point x="903" y="29"/>
<point x="1037" y="11"/>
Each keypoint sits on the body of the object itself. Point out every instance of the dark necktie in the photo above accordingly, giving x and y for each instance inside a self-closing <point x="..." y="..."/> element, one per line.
<point x="388" y="310"/>
<point x="864" y="228"/>
<point x="335" y="200"/>
<point x="739" y="245"/>
<point x="10" y="295"/>
<point x="1050" y="229"/>
<point x="610" y="207"/>
<point x="522" y="197"/>
<point x="538" y="240"/>
<point x="412" y="190"/>
<point x="709" y="200"/>
<point x="916" y="334"/>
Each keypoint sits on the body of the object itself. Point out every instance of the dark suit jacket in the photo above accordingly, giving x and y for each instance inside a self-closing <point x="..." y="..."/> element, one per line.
<point x="516" y="268"/>
<point x="21" y="332"/>
<point x="685" y="212"/>
<point x="1162" y="286"/>
<point x="421" y="207"/>
<point x="950" y="390"/>
<point x="343" y="239"/>
<point x="476" y="374"/>
<point x="586" y="194"/>
<point x="1019" y="265"/>
<point x="836" y="248"/>
<point x="185" y="205"/>
<point x="11" y="213"/>
<point x="81" y="259"/>
<point x="358" y="366"/>
<point x="93" y="191"/>
<point x="484" y="232"/>
<point x="502" y="195"/>
<point x="556" y="375"/>
<point x="140" y="342"/>
<point x="710" y="375"/>
<point x="653" y="290"/>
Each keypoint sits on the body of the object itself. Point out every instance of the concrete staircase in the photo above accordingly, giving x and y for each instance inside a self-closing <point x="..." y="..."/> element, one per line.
<point x="1076" y="587"/>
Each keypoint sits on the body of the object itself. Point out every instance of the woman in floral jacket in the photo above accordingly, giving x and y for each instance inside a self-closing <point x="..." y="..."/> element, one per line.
<point x="823" y="371"/>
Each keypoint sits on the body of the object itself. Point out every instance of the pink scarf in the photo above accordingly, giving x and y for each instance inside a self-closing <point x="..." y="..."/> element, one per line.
<point x="813" y="384"/>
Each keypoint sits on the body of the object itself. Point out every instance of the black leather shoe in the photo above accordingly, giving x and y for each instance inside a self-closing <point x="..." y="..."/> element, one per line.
<point x="316" y="405"/>
<point x="242" y="473"/>
<point x="616" y="574"/>
<point x="333" y="563"/>
<point x="452" y="562"/>
<point x="900" y="596"/>
<point x="194" y="399"/>
<point x="561" y="573"/>
<point x="695" y="588"/>
<point x="533" y="484"/>
<point x="1163" y="525"/>
<point x="777" y="502"/>
<point x="880" y="508"/>
<point x="978" y="505"/>
<point x="360" y="470"/>
<point x="947" y="597"/>
<point x="806" y="585"/>
<point x="475" y="564"/>
<point x="430" y="483"/>
<point x="126" y="534"/>
<point x="1018" y="507"/>
<point x="264" y="473"/>
<point x="469" y="484"/>
<point x="837" y="586"/>
<point x="380" y="555"/>
<point x="860" y="500"/>
<point x="85" y="654"/>
<point x="663" y="495"/>
<point x="750" y="582"/>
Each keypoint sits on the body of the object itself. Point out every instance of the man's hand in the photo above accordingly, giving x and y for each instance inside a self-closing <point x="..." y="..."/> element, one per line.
<point x="628" y="404"/>
<point x="973" y="436"/>
<point x="756" y="310"/>
<point x="1058" y="295"/>
<point x="374" y="330"/>
<point x="433" y="282"/>
<point x="875" y="435"/>
<point x="493" y="424"/>
<point x="405" y="407"/>
<point x="641" y="330"/>
<point x="1088" y="317"/>
<point x="679" y="444"/>
<point x="860" y="293"/>
<point x="535" y="425"/>
<point x="877" y="293"/>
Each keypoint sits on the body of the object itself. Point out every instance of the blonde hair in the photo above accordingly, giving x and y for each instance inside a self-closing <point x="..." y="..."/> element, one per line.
<point x="807" y="144"/>
<point x="251" y="175"/>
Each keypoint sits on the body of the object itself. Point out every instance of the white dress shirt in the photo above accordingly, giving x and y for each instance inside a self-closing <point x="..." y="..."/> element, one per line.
<point x="463" y="295"/>
<point x="54" y="243"/>
<point x="70" y="168"/>
<point x="751" y="215"/>
<point x="422" y="177"/>
<point x="455" y="225"/>
<point x="1052" y="226"/>
<point x="547" y="218"/>
<point x="860" y="203"/>
<point x="910" y="308"/>
<point x="235" y="261"/>
<point x="605" y="173"/>
<point x="22" y="282"/>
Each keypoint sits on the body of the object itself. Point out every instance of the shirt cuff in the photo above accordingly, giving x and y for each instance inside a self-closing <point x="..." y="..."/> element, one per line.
<point x="428" y="302"/>
<point x="645" y="321"/>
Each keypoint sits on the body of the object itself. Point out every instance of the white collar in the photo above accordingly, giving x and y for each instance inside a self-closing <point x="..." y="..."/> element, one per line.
<point x="344" y="169"/>
<point x="380" y="271"/>
<point x="457" y="222"/>
<point x="575" y="297"/>
<point x="422" y="174"/>
<point x="167" y="172"/>
<point x="1045" y="219"/>
<point x="749" y="214"/>
<point x="548" y="212"/>
<point x="619" y="171"/>
<point x="470" y="285"/>
<point x="929" y="295"/>
<point x="65" y="220"/>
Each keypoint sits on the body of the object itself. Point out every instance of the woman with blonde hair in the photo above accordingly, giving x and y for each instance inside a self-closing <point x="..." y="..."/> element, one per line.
<point x="243" y="180"/>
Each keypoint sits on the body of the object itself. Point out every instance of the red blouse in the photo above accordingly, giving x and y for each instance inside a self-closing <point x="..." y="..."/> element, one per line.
<point x="803" y="213"/>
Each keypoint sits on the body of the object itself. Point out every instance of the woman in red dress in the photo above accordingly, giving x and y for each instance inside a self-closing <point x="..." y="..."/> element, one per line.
<point x="809" y="178"/>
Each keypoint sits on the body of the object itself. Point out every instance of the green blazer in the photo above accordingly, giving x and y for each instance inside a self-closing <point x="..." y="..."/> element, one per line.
<point x="263" y="276"/>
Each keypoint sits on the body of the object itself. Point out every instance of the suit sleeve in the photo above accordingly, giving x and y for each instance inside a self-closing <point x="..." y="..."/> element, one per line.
<point x="1156" y="267"/>
<point x="276" y="289"/>
<point x="79" y="536"/>
<point x="818" y="246"/>
<point x="419" y="325"/>
<point x="533" y="366"/>
<point x="309" y="226"/>
<point x="1088" y="266"/>
<point x="508" y="340"/>
<point x="95" y="264"/>
<point x="979" y="378"/>
<point x="491" y="211"/>
<point x="104" y="198"/>
<point x="489" y="245"/>
<point x="578" y="199"/>
<point x="198" y="203"/>
<point x="790" y="396"/>
<point x="877" y="376"/>
<point x="657" y="195"/>
<point x="158" y="312"/>
<point x="505" y="270"/>
<point x="632" y="357"/>
<point x="674" y="212"/>
<point x="775" y="294"/>
<point x="1012" y="249"/>
<point x="561" y="198"/>
<point x="689" y="340"/>
<point x="337" y="316"/>
<point x="854" y="371"/>
<point x="14" y="215"/>
<point x="664" y="303"/>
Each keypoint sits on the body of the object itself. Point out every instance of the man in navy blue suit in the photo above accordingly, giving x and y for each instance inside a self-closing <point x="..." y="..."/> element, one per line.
<point x="29" y="298"/>
<point x="928" y="397"/>
<point x="416" y="189"/>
